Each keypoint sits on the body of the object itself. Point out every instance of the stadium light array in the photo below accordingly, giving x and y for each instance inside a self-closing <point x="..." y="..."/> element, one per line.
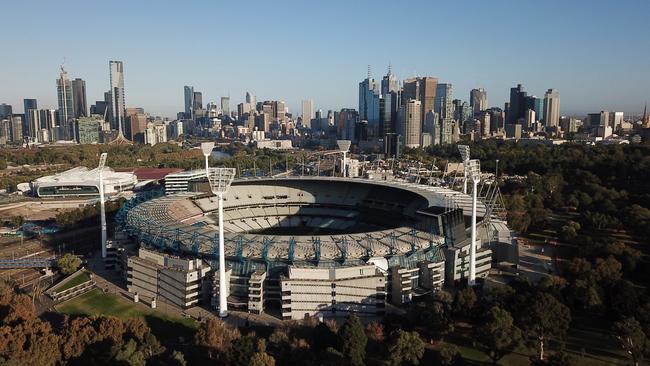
<point x="464" y="154"/>
<point x="220" y="180"/>
<point x="206" y="148"/>
<point x="474" y="171"/>
<point x="102" y="213"/>
<point x="344" y="147"/>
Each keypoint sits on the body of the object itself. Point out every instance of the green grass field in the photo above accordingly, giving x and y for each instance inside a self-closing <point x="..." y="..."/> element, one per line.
<point x="166" y="327"/>
<point x="588" y="342"/>
<point x="78" y="279"/>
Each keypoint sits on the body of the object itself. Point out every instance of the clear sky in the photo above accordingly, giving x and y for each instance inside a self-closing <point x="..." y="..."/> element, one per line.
<point x="595" y="52"/>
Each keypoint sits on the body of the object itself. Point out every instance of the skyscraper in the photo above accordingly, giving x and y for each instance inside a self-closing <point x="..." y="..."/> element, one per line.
<point x="369" y="103"/>
<point x="517" y="106"/>
<point x="30" y="104"/>
<point x="66" y="108"/>
<point x="79" y="98"/>
<point x="443" y="102"/>
<point x="389" y="83"/>
<point x="411" y="122"/>
<point x="5" y="111"/>
<point x="225" y="106"/>
<point x="551" y="108"/>
<point x="31" y="117"/>
<point x="478" y="100"/>
<point x="198" y="102"/>
<point x="422" y="89"/>
<point x="117" y="96"/>
<point x="189" y="101"/>
<point x="307" y="112"/>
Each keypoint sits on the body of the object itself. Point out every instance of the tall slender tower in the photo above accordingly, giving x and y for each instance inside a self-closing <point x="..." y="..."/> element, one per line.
<point x="79" y="98"/>
<point x="552" y="108"/>
<point x="117" y="95"/>
<point x="66" y="107"/>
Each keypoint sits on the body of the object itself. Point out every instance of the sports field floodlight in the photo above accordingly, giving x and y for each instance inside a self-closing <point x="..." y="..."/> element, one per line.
<point x="206" y="148"/>
<point x="473" y="170"/>
<point x="344" y="147"/>
<point x="220" y="180"/>
<point x="102" y="213"/>
<point x="464" y="154"/>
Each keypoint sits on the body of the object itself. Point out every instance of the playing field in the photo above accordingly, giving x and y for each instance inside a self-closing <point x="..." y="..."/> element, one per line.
<point x="95" y="302"/>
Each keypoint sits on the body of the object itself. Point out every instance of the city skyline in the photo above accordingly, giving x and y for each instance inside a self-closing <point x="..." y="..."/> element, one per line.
<point x="473" y="56"/>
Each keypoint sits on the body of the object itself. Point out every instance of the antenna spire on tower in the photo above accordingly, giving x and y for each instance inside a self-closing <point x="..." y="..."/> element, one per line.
<point x="368" y="71"/>
<point x="389" y="68"/>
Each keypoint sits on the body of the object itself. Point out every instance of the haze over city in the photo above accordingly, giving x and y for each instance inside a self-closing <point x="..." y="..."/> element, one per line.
<point x="595" y="53"/>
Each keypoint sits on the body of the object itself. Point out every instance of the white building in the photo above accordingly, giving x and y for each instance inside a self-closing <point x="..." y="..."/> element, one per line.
<point x="332" y="292"/>
<point x="552" y="108"/>
<point x="180" y="182"/>
<point x="80" y="181"/>
<point x="181" y="282"/>
<point x="155" y="133"/>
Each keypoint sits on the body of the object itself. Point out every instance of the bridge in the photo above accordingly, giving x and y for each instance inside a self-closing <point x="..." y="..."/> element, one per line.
<point x="31" y="262"/>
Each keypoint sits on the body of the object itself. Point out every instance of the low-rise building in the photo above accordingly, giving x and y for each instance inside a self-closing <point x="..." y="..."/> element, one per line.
<point x="178" y="281"/>
<point x="333" y="292"/>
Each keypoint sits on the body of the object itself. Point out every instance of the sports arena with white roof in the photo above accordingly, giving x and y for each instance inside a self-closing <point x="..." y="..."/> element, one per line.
<point x="81" y="181"/>
<point x="314" y="245"/>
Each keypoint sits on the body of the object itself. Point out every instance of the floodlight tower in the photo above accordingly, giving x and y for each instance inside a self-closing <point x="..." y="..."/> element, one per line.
<point x="206" y="148"/>
<point x="464" y="154"/>
<point x="102" y="214"/>
<point x="220" y="180"/>
<point x="344" y="147"/>
<point x="474" y="171"/>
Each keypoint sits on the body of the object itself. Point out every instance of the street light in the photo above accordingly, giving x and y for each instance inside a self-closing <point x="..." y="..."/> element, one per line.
<point x="464" y="154"/>
<point x="206" y="148"/>
<point x="102" y="213"/>
<point x="474" y="171"/>
<point x="220" y="180"/>
<point x="344" y="147"/>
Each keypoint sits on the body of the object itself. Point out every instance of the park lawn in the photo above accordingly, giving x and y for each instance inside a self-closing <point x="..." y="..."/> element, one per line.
<point x="166" y="328"/>
<point x="78" y="279"/>
<point x="588" y="342"/>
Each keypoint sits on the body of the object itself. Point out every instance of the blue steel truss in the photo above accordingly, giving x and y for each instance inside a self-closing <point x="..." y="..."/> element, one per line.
<point x="292" y="249"/>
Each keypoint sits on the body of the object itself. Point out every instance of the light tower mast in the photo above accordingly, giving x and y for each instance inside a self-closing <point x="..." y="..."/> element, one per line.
<point x="220" y="180"/>
<point x="474" y="171"/>
<point x="100" y="169"/>
<point x="344" y="147"/>
<point x="464" y="154"/>
<point x="206" y="148"/>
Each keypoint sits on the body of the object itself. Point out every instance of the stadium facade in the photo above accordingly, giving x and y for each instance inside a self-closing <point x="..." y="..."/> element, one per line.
<point x="83" y="182"/>
<point x="317" y="246"/>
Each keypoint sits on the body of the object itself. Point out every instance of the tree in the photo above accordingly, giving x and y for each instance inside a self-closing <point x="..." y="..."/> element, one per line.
<point x="497" y="335"/>
<point x="543" y="317"/>
<point x="405" y="348"/>
<point x="16" y="221"/>
<point x="449" y="355"/>
<point x="375" y="331"/>
<point x="465" y="302"/>
<point x="242" y="351"/>
<point x="262" y="359"/>
<point x="353" y="340"/>
<point x="631" y="338"/>
<point x="436" y="317"/>
<point x="68" y="264"/>
<point x="216" y="337"/>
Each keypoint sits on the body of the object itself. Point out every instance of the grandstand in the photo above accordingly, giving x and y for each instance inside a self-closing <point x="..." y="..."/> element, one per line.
<point x="399" y="235"/>
<point x="82" y="182"/>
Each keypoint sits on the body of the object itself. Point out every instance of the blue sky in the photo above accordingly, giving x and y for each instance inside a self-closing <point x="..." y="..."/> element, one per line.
<point x="596" y="53"/>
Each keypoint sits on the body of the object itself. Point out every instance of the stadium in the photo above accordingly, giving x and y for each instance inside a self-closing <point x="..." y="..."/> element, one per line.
<point x="83" y="182"/>
<point x="317" y="246"/>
